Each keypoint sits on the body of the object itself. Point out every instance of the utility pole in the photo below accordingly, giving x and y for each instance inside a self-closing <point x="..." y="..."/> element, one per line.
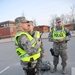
<point x="35" y="24"/>
<point x="73" y="8"/>
<point x="23" y="14"/>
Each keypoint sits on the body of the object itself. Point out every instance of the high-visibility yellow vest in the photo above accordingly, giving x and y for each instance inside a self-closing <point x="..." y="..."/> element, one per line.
<point x="22" y="53"/>
<point x="37" y="36"/>
<point x="58" y="34"/>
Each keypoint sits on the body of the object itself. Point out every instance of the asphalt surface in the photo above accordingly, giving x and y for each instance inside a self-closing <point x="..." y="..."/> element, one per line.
<point x="10" y="65"/>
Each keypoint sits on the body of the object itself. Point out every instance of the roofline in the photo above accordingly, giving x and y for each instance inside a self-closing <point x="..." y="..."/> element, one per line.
<point x="7" y="22"/>
<point x="41" y="25"/>
<point x="69" y="24"/>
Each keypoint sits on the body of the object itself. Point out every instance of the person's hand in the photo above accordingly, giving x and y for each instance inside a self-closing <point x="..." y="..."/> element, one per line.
<point x="56" y="40"/>
<point x="43" y="55"/>
<point x="39" y="43"/>
<point x="61" y="40"/>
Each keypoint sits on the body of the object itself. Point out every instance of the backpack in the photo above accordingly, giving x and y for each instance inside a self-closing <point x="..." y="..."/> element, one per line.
<point x="45" y="66"/>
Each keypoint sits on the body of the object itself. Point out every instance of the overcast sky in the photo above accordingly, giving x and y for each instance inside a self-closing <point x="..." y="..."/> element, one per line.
<point x="41" y="10"/>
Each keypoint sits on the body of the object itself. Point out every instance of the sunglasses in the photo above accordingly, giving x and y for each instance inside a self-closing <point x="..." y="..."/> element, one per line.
<point x="59" y="22"/>
<point x="28" y="25"/>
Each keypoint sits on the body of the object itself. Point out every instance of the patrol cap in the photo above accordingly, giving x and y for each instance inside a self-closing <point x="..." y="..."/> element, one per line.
<point x="20" y="20"/>
<point x="30" y="23"/>
<point x="58" y="19"/>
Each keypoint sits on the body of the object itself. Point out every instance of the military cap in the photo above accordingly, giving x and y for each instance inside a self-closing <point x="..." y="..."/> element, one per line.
<point x="20" y="20"/>
<point x="30" y="23"/>
<point x="58" y="19"/>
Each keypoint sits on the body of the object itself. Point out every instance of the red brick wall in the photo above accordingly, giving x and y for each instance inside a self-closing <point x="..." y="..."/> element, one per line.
<point x="5" y="32"/>
<point x="70" y="27"/>
<point x="42" y="28"/>
<point x="14" y="31"/>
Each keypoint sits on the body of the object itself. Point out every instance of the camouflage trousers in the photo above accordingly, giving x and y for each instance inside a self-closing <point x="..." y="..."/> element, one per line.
<point x="63" y="54"/>
<point x="31" y="68"/>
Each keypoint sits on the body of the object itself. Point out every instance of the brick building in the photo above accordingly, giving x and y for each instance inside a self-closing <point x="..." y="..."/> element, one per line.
<point x="7" y="24"/>
<point x="42" y="28"/>
<point x="7" y="29"/>
<point x="70" y="26"/>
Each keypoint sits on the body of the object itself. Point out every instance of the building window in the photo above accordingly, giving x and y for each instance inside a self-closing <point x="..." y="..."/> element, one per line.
<point x="1" y="25"/>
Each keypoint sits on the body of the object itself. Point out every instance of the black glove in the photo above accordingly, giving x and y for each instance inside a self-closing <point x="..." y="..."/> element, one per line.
<point x="52" y="52"/>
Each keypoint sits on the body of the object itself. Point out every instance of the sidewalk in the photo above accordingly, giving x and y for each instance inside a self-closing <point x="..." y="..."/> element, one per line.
<point x="6" y="40"/>
<point x="44" y="36"/>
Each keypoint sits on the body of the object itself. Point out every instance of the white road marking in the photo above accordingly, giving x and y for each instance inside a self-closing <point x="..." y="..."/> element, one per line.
<point x="4" y="69"/>
<point x="73" y="70"/>
<point x="8" y="67"/>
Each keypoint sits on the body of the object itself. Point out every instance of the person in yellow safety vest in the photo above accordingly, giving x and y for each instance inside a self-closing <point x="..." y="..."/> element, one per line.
<point x="37" y="36"/>
<point x="26" y="46"/>
<point x="59" y="36"/>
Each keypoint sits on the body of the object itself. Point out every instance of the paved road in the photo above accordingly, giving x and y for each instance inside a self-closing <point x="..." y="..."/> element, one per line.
<point x="9" y="61"/>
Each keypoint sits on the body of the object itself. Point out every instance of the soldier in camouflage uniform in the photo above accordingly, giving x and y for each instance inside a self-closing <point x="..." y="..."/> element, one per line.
<point x="37" y="36"/>
<point x="59" y="36"/>
<point x="26" y="47"/>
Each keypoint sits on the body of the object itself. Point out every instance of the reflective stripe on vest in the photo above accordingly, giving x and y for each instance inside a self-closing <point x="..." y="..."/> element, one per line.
<point x="37" y="36"/>
<point x="59" y="34"/>
<point x="22" y="53"/>
<point x="28" y="58"/>
<point x="33" y="41"/>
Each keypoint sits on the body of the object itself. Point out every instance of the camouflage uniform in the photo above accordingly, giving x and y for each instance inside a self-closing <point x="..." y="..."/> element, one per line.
<point x="60" y="47"/>
<point x="34" y="34"/>
<point x="38" y="39"/>
<point x="25" y="44"/>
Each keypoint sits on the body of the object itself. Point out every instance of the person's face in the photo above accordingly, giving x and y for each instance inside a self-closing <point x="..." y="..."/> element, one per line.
<point x="59" y="23"/>
<point x="30" y="28"/>
<point x="24" y="26"/>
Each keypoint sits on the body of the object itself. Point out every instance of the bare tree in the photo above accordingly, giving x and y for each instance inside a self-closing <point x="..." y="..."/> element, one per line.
<point x="53" y="20"/>
<point x="66" y="18"/>
<point x="35" y="24"/>
<point x="73" y="14"/>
